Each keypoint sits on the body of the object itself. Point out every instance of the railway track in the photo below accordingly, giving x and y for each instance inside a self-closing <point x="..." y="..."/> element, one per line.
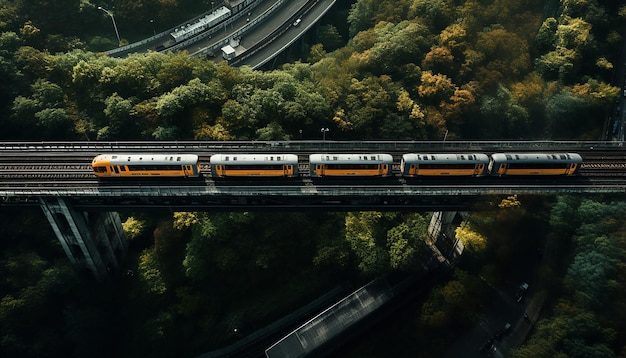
<point x="74" y="169"/>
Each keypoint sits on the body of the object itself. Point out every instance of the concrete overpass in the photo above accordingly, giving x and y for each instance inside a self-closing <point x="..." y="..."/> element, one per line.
<point x="258" y="30"/>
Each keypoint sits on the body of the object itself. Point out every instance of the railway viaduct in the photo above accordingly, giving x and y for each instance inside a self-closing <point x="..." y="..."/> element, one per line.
<point x="83" y="210"/>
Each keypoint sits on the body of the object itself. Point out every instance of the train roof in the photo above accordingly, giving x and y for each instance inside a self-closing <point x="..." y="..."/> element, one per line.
<point x="146" y="158"/>
<point x="201" y="24"/>
<point x="451" y="158"/>
<point x="257" y="158"/>
<point x="537" y="157"/>
<point x="350" y="158"/>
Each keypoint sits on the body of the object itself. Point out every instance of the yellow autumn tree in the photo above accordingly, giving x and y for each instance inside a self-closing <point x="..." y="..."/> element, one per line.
<point x="470" y="238"/>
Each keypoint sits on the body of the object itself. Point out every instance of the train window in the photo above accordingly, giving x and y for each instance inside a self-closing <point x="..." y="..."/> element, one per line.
<point x="122" y="168"/>
<point x="116" y="168"/>
<point x="114" y="157"/>
<point x="100" y="169"/>
<point x="178" y="159"/>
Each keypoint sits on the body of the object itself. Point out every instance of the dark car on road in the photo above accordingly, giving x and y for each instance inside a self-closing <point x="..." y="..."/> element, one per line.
<point x="521" y="291"/>
<point x="487" y="346"/>
<point x="503" y="331"/>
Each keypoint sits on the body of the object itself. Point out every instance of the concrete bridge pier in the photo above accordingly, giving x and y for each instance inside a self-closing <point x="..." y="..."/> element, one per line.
<point x="441" y="232"/>
<point x="91" y="240"/>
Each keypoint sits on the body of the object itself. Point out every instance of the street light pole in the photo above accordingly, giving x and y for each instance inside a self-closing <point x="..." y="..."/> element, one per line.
<point x="324" y="130"/>
<point x="114" y="25"/>
<point x="153" y="29"/>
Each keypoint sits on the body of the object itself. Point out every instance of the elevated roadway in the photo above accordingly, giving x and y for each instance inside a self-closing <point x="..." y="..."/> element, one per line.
<point x="259" y="30"/>
<point x="30" y="171"/>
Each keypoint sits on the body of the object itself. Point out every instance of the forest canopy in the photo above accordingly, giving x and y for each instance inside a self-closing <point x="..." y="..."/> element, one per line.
<point x="409" y="70"/>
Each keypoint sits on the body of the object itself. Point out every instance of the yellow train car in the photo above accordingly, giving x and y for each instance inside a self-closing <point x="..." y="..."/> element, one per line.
<point x="374" y="164"/>
<point x="444" y="164"/>
<point x="145" y="165"/>
<point x="503" y="164"/>
<point x="254" y="165"/>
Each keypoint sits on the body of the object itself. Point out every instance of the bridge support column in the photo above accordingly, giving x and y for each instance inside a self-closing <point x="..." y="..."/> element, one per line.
<point x="441" y="232"/>
<point x="91" y="240"/>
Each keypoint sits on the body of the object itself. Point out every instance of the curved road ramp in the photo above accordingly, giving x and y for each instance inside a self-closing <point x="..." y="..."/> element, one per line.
<point x="332" y="322"/>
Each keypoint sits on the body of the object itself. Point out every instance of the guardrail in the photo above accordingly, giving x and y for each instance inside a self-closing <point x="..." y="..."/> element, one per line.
<point x="307" y="145"/>
<point x="275" y="34"/>
<point x="124" y="50"/>
<point x="211" y="50"/>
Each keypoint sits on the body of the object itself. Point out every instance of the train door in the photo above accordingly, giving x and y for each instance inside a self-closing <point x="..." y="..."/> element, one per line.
<point x="287" y="170"/>
<point x="479" y="169"/>
<point x="116" y="169"/>
<point x="218" y="170"/>
<point x="413" y="169"/>
<point x="385" y="169"/>
<point x="503" y="169"/>
<point x="571" y="168"/>
<point x="319" y="169"/>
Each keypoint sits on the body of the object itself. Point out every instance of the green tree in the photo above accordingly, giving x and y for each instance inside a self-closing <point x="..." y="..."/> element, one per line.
<point x="197" y="262"/>
<point x="438" y="13"/>
<point x="133" y="228"/>
<point x="150" y="273"/>
<point x="118" y="113"/>
<point x="55" y="123"/>
<point x="239" y="118"/>
<point x="330" y="37"/>
<point x="272" y="131"/>
<point x="571" y="114"/>
<point x="406" y="243"/>
<point x="361" y="233"/>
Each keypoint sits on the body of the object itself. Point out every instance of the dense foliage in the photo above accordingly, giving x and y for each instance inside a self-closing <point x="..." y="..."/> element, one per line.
<point x="410" y="70"/>
<point x="587" y="318"/>
<point x="196" y="282"/>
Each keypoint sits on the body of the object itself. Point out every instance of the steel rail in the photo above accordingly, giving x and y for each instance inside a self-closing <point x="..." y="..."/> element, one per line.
<point x="306" y="145"/>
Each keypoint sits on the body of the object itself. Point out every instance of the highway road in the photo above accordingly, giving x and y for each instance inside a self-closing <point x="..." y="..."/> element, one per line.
<point x="258" y="35"/>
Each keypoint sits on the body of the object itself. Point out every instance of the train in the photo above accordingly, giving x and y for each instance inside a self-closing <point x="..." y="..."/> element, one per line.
<point x="147" y="164"/>
<point x="204" y="23"/>
<point x="412" y="165"/>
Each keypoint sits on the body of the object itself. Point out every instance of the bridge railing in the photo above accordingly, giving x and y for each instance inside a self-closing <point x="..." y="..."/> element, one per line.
<point x="215" y="48"/>
<point x="307" y="145"/>
<point x="124" y="50"/>
<point x="275" y="34"/>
